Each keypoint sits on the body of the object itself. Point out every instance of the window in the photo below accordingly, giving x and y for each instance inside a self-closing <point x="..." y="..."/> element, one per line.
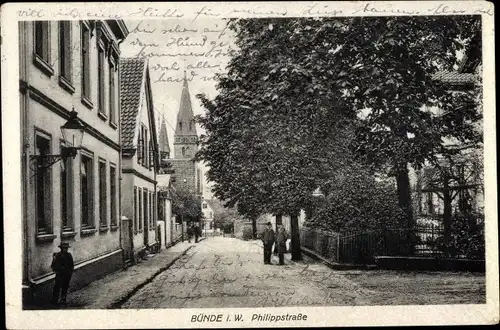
<point x="145" y="201"/>
<point x="86" y="193"/>
<point x="161" y="209"/>
<point x="151" y="208"/>
<point x="112" y="93"/>
<point x="42" y="40"/>
<point x="180" y="126"/>
<point x="140" y="210"/>
<point x="100" y="81"/>
<point x="43" y="188"/>
<point x="112" y="194"/>
<point x="204" y="205"/>
<point x="102" y="194"/>
<point x="150" y="158"/>
<point x="155" y="199"/>
<point x="145" y="157"/>
<point x="142" y="143"/>
<point x="183" y="151"/>
<point x="136" y="211"/>
<point x="139" y="146"/>
<point x="85" y="62"/>
<point x="65" y="60"/>
<point x="66" y="193"/>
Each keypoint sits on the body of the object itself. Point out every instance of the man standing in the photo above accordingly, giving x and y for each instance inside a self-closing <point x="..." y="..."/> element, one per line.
<point x="197" y="232"/>
<point x="62" y="265"/>
<point x="281" y="238"/>
<point x="190" y="232"/>
<point x="268" y="240"/>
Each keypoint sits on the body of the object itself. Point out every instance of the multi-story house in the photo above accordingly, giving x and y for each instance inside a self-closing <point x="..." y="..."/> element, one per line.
<point x="68" y="66"/>
<point x="140" y="156"/>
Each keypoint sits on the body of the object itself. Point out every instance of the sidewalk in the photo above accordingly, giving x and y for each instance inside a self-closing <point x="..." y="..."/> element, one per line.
<point x="114" y="289"/>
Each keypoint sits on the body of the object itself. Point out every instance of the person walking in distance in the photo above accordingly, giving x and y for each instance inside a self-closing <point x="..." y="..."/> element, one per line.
<point x="62" y="265"/>
<point x="281" y="238"/>
<point x="268" y="239"/>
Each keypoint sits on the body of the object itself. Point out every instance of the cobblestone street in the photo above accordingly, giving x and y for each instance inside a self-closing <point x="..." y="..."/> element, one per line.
<point x="227" y="272"/>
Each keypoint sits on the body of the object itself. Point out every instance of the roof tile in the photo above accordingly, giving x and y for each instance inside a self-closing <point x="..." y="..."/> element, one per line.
<point x="455" y="78"/>
<point x="131" y="77"/>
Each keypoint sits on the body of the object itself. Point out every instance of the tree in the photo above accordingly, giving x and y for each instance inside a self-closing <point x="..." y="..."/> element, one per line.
<point x="289" y="106"/>
<point x="398" y="130"/>
<point x="184" y="203"/>
<point x="224" y="217"/>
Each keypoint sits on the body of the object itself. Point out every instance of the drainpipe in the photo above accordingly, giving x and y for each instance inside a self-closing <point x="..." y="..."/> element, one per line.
<point x="120" y="178"/>
<point x="25" y="173"/>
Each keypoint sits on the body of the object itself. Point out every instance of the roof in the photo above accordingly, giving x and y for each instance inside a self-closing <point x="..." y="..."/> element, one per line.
<point x="163" y="143"/>
<point x="185" y="117"/>
<point x="455" y="78"/>
<point x="466" y="74"/>
<point x="131" y="78"/>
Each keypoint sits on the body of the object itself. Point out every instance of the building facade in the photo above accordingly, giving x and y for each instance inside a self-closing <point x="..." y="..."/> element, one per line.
<point x="140" y="156"/>
<point x="208" y="217"/>
<point x="165" y="217"/>
<point x="66" y="66"/>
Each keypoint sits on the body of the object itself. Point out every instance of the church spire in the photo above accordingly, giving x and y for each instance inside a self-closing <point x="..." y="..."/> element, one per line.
<point x="185" y="116"/>
<point x="163" y="141"/>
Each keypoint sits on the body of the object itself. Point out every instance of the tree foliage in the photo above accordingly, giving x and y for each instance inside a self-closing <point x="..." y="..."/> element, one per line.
<point x="224" y="217"/>
<point x="186" y="204"/>
<point x="302" y="92"/>
<point x="357" y="202"/>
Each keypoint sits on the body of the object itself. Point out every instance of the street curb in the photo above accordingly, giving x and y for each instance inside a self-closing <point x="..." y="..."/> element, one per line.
<point x="334" y="265"/>
<point x="120" y="301"/>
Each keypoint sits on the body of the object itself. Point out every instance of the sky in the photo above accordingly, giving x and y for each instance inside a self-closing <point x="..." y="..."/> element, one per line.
<point x="201" y="48"/>
<point x="172" y="46"/>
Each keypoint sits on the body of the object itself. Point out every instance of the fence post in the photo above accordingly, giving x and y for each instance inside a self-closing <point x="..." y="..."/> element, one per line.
<point x="338" y="247"/>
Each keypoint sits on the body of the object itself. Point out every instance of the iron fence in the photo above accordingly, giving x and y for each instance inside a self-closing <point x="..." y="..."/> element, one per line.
<point x="363" y="247"/>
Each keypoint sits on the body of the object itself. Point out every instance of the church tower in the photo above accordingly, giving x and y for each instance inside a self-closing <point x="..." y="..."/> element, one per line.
<point x="185" y="145"/>
<point x="185" y="138"/>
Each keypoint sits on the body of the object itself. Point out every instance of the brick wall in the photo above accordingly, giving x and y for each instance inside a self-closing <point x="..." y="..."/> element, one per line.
<point x="184" y="169"/>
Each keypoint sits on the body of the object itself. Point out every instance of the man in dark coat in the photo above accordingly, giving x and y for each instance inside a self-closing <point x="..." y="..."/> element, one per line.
<point x="281" y="238"/>
<point x="268" y="240"/>
<point x="62" y="265"/>
<point x="197" y="232"/>
<point x="190" y="232"/>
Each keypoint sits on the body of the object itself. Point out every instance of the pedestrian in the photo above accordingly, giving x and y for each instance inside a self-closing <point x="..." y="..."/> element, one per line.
<point x="62" y="265"/>
<point x="190" y="232"/>
<point x="196" y="232"/>
<point x="268" y="241"/>
<point x="281" y="238"/>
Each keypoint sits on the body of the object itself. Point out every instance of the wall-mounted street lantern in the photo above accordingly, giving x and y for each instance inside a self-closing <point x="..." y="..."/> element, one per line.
<point x="72" y="132"/>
